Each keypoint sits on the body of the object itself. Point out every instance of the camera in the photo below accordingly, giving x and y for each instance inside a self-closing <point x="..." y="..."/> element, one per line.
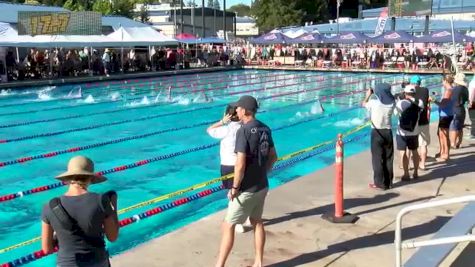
<point x="232" y="110"/>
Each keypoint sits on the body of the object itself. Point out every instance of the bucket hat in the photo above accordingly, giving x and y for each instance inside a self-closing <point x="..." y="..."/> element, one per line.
<point x="81" y="167"/>
<point x="460" y="79"/>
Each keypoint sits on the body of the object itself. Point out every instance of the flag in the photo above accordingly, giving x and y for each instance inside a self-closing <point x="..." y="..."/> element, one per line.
<point x="383" y="18"/>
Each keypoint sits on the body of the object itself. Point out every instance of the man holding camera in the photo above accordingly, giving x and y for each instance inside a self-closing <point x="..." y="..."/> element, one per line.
<point x="380" y="110"/>
<point x="408" y="108"/>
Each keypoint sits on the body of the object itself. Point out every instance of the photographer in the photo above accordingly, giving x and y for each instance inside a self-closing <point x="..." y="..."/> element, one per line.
<point x="380" y="109"/>
<point x="80" y="219"/>
<point x="226" y="130"/>
<point x="408" y="108"/>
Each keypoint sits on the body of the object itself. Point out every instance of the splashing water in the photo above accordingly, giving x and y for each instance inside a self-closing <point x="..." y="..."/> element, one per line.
<point x="115" y="96"/>
<point x="142" y="102"/>
<point x="352" y="122"/>
<point x="317" y="108"/>
<point x="181" y="100"/>
<point x="89" y="99"/>
<point x="76" y="92"/>
<point x="45" y="94"/>
<point x="6" y="92"/>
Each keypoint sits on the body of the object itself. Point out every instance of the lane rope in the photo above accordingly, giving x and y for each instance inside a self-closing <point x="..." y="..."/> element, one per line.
<point x="108" y="124"/>
<point x="43" y="188"/>
<point x="288" y="159"/>
<point x="118" y="109"/>
<point x="141" y="95"/>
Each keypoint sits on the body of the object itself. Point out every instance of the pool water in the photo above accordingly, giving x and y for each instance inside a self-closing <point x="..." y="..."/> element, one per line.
<point x="177" y="110"/>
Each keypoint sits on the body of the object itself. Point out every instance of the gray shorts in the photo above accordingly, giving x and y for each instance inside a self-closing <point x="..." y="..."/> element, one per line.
<point x="246" y="205"/>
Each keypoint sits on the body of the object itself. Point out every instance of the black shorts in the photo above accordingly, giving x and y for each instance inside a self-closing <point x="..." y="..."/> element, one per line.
<point x="407" y="142"/>
<point x="227" y="184"/>
<point x="444" y="122"/>
<point x="457" y="123"/>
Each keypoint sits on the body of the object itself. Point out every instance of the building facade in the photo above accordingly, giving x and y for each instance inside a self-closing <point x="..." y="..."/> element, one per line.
<point x="246" y="27"/>
<point x="168" y="20"/>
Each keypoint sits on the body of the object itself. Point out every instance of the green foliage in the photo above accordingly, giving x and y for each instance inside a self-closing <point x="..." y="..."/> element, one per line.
<point x="102" y="6"/>
<point x="74" y="5"/>
<point x="191" y="3"/>
<point x="143" y="14"/>
<point x="210" y="3"/>
<point x="271" y="14"/>
<point x="216" y="4"/>
<point x="123" y="8"/>
<point x="241" y="9"/>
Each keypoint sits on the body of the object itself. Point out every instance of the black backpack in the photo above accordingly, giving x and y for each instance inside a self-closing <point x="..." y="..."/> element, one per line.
<point x="410" y="117"/>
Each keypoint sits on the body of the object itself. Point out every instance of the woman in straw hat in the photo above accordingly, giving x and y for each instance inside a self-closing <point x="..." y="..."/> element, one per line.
<point x="80" y="219"/>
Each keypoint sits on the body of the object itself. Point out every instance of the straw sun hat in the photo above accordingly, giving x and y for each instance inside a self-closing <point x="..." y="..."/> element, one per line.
<point x="460" y="79"/>
<point x="80" y="167"/>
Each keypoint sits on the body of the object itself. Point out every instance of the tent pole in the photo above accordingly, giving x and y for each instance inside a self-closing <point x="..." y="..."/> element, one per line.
<point x="17" y="55"/>
<point x="91" y="71"/>
<point x="50" y="62"/>
<point x="122" y="59"/>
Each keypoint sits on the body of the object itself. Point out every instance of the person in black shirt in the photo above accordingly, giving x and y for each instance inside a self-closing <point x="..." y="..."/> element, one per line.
<point x="422" y="93"/>
<point x="255" y="157"/>
<point x="459" y="99"/>
<point x="85" y="220"/>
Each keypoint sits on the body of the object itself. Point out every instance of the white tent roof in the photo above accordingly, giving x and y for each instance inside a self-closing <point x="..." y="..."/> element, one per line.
<point x="10" y="37"/>
<point x="141" y="35"/>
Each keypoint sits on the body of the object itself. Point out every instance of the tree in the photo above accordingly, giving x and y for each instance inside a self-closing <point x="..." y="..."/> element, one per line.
<point x="143" y="14"/>
<point x="210" y="3"/>
<point x="123" y="8"/>
<point x="216" y="4"/>
<point x="272" y="14"/>
<point x="191" y="3"/>
<point x="102" y="6"/>
<point x="241" y="9"/>
<point x="74" y="5"/>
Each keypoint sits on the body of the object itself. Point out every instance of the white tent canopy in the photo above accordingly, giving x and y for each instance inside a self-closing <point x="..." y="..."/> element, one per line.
<point x="10" y="37"/>
<point x="132" y="36"/>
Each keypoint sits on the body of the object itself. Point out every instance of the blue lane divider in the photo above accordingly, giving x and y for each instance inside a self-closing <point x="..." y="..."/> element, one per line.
<point x="152" y="117"/>
<point x="155" y="159"/>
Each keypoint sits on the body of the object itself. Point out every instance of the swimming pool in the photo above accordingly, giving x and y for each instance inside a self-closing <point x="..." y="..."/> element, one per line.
<point x="160" y="123"/>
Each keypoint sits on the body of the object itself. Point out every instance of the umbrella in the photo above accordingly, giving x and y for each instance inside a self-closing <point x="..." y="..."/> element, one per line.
<point x="347" y="38"/>
<point x="392" y="37"/>
<point x="444" y="36"/>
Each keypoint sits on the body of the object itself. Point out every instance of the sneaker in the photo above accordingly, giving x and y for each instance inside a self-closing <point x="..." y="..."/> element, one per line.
<point x="240" y="228"/>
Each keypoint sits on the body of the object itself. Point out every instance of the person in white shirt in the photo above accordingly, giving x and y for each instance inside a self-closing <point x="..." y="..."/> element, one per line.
<point x="471" y="106"/>
<point x="408" y="109"/>
<point x="225" y="130"/>
<point x="380" y="110"/>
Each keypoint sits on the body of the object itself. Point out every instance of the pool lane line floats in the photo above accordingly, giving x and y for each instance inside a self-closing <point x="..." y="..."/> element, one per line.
<point x="141" y="95"/>
<point x="2" y="141"/>
<point x="140" y="163"/>
<point x="288" y="160"/>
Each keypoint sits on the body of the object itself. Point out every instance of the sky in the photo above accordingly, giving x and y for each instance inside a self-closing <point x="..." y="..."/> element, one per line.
<point x="235" y="2"/>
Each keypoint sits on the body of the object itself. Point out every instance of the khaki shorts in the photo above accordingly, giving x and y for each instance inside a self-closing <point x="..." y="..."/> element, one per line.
<point x="246" y="205"/>
<point x="424" y="135"/>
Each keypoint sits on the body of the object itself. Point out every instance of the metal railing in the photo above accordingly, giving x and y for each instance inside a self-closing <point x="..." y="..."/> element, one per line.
<point x="399" y="245"/>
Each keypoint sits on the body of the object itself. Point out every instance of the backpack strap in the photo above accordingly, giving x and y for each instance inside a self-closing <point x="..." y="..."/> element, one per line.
<point x="70" y="224"/>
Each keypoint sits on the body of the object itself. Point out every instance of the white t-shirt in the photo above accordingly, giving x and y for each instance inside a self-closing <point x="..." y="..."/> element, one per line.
<point x="227" y="134"/>
<point x="471" y="91"/>
<point x="380" y="114"/>
<point x="402" y="105"/>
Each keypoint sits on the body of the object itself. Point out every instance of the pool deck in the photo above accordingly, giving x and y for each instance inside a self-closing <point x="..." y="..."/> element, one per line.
<point x="114" y="77"/>
<point x="296" y="234"/>
<point x="356" y="70"/>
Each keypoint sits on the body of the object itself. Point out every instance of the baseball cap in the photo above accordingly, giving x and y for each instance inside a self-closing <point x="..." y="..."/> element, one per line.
<point x="247" y="102"/>
<point x="410" y="89"/>
<point x="416" y="79"/>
